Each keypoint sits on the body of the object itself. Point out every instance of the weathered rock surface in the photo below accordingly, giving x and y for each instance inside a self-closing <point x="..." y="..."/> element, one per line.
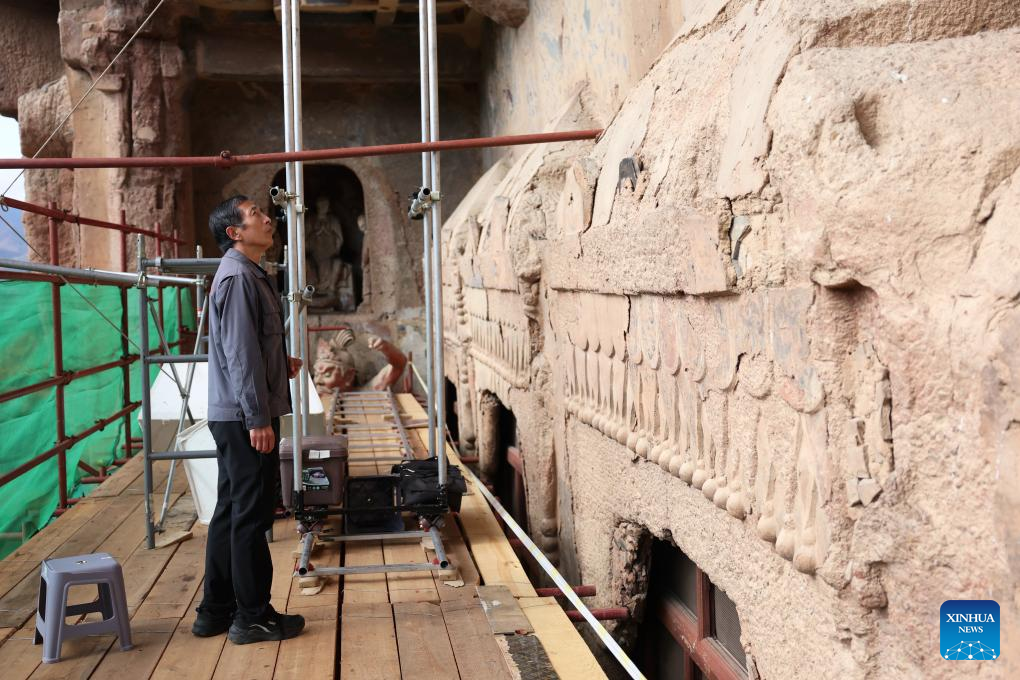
<point x="774" y="302"/>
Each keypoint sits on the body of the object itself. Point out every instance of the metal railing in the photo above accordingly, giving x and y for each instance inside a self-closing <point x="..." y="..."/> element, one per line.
<point x="62" y="377"/>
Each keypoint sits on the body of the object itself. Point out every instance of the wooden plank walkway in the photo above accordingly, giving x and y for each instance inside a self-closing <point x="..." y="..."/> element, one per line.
<point x="398" y="625"/>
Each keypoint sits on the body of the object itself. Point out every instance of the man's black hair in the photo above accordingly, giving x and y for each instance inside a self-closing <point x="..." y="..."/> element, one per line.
<point x="226" y="214"/>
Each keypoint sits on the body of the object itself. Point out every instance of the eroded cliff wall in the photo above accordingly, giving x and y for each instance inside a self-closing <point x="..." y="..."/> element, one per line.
<point x="770" y="314"/>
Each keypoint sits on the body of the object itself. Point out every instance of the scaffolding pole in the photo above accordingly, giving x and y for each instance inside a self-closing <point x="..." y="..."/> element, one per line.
<point x="226" y="160"/>
<point x="438" y="402"/>
<point x="300" y="204"/>
<point x="426" y="181"/>
<point x="293" y="254"/>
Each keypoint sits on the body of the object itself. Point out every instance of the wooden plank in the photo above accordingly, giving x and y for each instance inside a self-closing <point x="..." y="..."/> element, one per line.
<point x="28" y="556"/>
<point x="18" y="656"/>
<point x="570" y="656"/>
<point x="284" y="539"/>
<point x="368" y="642"/>
<point x="149" y="638"/>
<point x="121" y="479"/>
<point x="502" y="610"/>
<point x="78" y="659"/>
<point x="144" y="567"/>
<point x="175" y="587"/>
<point x="474" y="647"/>
<point x="526" y="657"/>
<point x="365" y="588"/>
<point x="408" y="586"/>
<point x="312" y="654"/>
<point x="187" y="656"/>
<point x="256" y="661"/>
<point x="126" y="539"/>
<point x="423" y="642"/>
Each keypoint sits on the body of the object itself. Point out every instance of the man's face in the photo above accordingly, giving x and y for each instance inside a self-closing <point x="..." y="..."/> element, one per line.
<point x="256" y="229"/>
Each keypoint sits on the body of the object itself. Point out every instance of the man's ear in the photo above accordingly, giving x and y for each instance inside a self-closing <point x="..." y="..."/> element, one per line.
<point x="236" y="236"/>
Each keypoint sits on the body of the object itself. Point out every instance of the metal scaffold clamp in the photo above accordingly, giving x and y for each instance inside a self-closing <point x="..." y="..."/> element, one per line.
<point x="281" y="197"/>
<point x="303" y="296"/>
<point x="421" y="202"/>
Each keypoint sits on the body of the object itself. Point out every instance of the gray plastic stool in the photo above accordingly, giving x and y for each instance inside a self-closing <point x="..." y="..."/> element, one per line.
<point x="55" y="581"/>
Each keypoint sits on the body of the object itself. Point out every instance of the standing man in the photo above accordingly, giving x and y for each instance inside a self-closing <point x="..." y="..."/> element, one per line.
<point x="248" y="392"/>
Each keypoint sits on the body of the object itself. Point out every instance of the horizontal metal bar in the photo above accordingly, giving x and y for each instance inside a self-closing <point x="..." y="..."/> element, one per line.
<point x="362" y="411"/>
<point x="8" y="275"/>
<point x="604" y="614"/>
<point x="226" y="159"/>
<point x="421" y="509"/>
<point x="89" y="275"/>
<point x="374" y="569"/>
<point x="64" y="216"/>
<point x="181" y="455"/>
<point x="66" y="444"/>
<point x="393" y="535"/>
<point x="583" y="591"/>
<point x="35" y="387"/>
<point x="66" y="378"/>
<point x="194" y="265"/>
<point x="176" y="358"/>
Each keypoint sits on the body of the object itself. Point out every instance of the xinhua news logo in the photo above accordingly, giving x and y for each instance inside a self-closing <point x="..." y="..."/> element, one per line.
<point x="969" y="630"/>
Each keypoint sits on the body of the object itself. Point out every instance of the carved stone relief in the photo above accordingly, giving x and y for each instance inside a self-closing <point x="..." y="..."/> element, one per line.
<point x="722" y="394"/>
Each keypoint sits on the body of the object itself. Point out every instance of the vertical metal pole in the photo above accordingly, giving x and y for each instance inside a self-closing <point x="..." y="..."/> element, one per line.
<point x="426" y="269"/>
<point x="58" y="362"/>
<point x="185" y="411"/>
<point x="200" y="305"/>
<point x="180" y="297"/>
<point x="299" y="208"/>
<point x="293" y="290"/>
<point x="143" y="329"/>
<point x="125" y="371"/>
<point x="437" y="243"/>
<point x="159" y="287"/>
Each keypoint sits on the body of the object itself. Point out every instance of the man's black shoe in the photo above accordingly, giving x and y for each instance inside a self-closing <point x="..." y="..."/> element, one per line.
<point x="273" y="626"/>
<point x="208" y="624"/>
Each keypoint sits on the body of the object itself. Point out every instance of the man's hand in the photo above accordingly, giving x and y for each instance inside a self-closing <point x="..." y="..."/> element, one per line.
<point x="295" y="366"/>
<point x="262" y="438"/>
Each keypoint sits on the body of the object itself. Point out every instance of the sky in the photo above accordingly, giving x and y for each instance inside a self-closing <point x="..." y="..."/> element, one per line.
<point x="10" y="147"/>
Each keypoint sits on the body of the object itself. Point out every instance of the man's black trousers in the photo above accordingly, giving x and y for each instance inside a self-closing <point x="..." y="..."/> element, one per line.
<point x="238" y="566"/>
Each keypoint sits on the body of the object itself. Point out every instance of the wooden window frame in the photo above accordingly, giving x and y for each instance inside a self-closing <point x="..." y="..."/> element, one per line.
<point x="693" y="630"/>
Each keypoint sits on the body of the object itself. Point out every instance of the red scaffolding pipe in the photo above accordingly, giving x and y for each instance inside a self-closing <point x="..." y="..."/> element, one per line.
<point x="58" y="360"/>
<point x="62" y="377"/>
<point x="12" y="275"/>
<point x="606" y="614"/>
<point x="66" y="216"/>
<point x="66" y="444"/>
<point x="66" y="377"/>
<point x="226" y="159"/>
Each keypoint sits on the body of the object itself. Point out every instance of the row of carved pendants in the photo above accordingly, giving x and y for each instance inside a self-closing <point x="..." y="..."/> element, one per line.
<point x="729" y="495"/>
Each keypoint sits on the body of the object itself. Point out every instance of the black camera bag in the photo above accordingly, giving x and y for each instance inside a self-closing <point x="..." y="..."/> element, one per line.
<point x="419" y="483"/>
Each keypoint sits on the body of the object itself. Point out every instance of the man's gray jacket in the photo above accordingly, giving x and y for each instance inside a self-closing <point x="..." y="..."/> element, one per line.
<point x="247" y="359"/>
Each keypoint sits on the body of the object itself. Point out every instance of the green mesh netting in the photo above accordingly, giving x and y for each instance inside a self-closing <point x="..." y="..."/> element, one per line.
<point x="28" y="423"/>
